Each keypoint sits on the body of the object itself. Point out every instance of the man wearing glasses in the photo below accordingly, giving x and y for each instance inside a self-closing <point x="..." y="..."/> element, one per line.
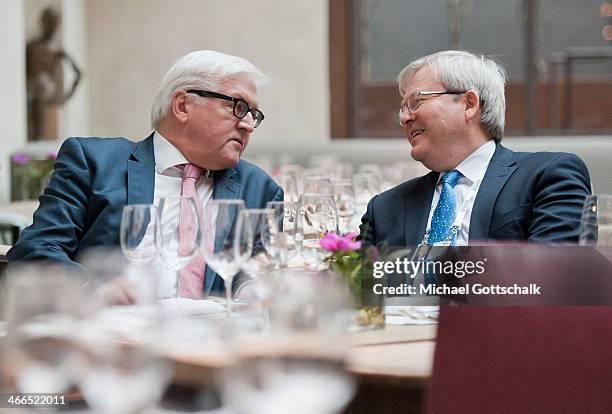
<point x="452" y="113"/>
<point x="203" y="116"/>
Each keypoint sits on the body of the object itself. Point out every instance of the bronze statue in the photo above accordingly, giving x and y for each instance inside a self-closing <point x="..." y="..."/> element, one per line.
<point x="45" y="80"/>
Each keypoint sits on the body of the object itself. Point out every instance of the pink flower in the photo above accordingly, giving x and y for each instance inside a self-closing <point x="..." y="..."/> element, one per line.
<point x="20" y="159"/>
<point x="52" y="156"/>
<point x="332" y="242"/>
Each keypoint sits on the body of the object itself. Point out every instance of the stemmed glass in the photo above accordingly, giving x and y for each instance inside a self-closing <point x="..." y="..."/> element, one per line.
<point x="228" y="241"/>
<point x="42" y="311"/>
<point x="289" y="184"/>
<point x="288" y="242"/>
<point x="344" y="196"/>
<point x="139" y="233"/>
<point x="180" y="232"/>
<point x="317" y="216"/>
<point x="318" y="184"/>
<point x="596" y="222"/>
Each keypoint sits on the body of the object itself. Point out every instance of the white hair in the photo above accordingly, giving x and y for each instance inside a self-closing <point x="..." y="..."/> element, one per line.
<point x="460" y="70"/>
<point x="202" y="69"/>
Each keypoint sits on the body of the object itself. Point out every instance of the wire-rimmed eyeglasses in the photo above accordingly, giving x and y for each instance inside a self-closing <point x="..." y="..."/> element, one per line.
<point x="414" y="101"/>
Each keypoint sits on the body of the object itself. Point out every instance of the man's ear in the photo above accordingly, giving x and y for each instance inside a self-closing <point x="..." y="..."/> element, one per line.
<point x="472" y="104"/>
<point x="178" y="106"/>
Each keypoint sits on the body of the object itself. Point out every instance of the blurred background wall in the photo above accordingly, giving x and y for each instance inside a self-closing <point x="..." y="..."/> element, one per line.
<point x="124" y="47"/>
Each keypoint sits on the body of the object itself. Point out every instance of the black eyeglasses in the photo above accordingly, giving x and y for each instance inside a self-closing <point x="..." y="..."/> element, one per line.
<point x="241" y="107"/>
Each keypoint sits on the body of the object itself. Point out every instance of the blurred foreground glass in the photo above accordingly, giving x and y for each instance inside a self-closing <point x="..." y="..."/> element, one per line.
<point x="113" y="280"/>
<point x="121" y="373"/>
<point x="287" y="384"/>
<point x="596" y="222"/>
<point x="288" y="241"/>
<point x="42" y="311"/>
<point x="139" y="233"/>
<point x="317" y="216"/>
<point x="228" y="241"/>
<point x="181" y="233"/>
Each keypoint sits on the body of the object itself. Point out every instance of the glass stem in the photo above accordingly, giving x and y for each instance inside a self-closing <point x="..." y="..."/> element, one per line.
<point x="228" y="295"/>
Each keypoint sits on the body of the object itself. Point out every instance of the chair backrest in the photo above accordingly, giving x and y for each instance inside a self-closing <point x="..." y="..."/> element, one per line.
<point x="522" y="359"/>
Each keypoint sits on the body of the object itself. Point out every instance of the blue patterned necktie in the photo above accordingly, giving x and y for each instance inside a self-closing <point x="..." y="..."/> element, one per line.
<point x="444" y="214"/>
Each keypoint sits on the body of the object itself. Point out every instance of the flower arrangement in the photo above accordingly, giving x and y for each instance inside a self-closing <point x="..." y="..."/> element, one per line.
<point x="348" y="260"/>
<point x="30" y="174"/>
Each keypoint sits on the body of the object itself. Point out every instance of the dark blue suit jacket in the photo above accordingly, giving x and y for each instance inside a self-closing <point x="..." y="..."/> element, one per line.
<point x="523" y="196"/>
<point x="94" y="178"/>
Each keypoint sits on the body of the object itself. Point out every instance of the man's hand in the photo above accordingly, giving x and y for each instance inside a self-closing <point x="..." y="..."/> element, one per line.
<point x="118" y="291"/>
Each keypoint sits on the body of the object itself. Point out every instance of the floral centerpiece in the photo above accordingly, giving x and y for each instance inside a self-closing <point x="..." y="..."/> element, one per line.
<point x="351" y="262"/>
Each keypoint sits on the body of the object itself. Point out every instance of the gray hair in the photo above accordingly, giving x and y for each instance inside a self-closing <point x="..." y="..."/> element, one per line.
<point x="202" y="69"/>
<point x="460" y="70"/>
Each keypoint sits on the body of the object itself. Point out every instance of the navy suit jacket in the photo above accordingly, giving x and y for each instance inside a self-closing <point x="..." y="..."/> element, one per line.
<point x="94" y="178"/>
<point x="523" y="196"/>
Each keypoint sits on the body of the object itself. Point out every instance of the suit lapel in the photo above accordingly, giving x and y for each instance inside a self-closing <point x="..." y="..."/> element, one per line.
<point x="500" y="168"/>
<point x="141" y="173"/>
<point x="418" y="204"/>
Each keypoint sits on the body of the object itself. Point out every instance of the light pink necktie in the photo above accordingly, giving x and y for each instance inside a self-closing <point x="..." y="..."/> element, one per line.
<point x="191" y="283"/>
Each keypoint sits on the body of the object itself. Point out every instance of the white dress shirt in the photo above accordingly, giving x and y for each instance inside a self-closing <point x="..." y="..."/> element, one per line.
<point x="473" y="168"/>
<point x="168" y="183"/>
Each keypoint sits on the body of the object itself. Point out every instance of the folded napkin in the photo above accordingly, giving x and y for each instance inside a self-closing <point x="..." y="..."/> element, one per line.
<point x="411" y="315"/>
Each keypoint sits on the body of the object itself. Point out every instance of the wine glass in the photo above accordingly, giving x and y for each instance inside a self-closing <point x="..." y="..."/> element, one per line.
<point x="139" y="233"/>
<point x="289" y="184"/>
<point x="344" y="196"/>
<point x="318" y="184"/>
<point x="265" y="229"/>
<point x="287" y="384"/>
<point x="317" y="216"/>
<point x="180" y="233"/>
<point x="42" y="312"/>
<point x="596" y="221"/>
<point x="288" y="240"/>
<point x="228" y="241"/>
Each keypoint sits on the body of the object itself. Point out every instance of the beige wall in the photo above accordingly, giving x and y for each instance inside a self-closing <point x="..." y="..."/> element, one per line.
<point x="12" y="87"/>
<point x="132" y="43"/>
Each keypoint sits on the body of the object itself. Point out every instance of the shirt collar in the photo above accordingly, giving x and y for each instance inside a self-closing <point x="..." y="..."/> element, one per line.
<point x="166" y="154"/>
<point x="472" y="166"/>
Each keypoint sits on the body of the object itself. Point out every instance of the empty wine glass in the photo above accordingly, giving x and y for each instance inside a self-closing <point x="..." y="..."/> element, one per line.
<point x="288" y="240"/>
<point x="139" y="233"/>
<point x="596" y="222"/>
<point x="180" y="233"/>
<point x="317" y="216"/>
<point x="289" y="184"/>
<point x="42" y="312"/>
<point x="121" y="376"/>
<point x="318" y="185"/>
<point x="344" y="196"/>
<point x="374" y="170"/>
<point x="228" y="241"/>
<point x="265" y="229"/>
<point x="287" y="384"/>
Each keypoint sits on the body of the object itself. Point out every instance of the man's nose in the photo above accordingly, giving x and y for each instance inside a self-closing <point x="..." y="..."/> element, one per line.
<point x="406" y="116"/>
<point x="247" y="123"/>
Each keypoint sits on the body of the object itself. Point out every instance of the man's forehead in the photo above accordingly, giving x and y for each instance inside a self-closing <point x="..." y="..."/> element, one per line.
<point x="420" y="80"/>
<point x="240" y="86"/>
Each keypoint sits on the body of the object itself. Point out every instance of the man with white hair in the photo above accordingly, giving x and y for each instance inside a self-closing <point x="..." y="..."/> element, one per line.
<point x="452" y="113"/>
<point x="203" y="116"/>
